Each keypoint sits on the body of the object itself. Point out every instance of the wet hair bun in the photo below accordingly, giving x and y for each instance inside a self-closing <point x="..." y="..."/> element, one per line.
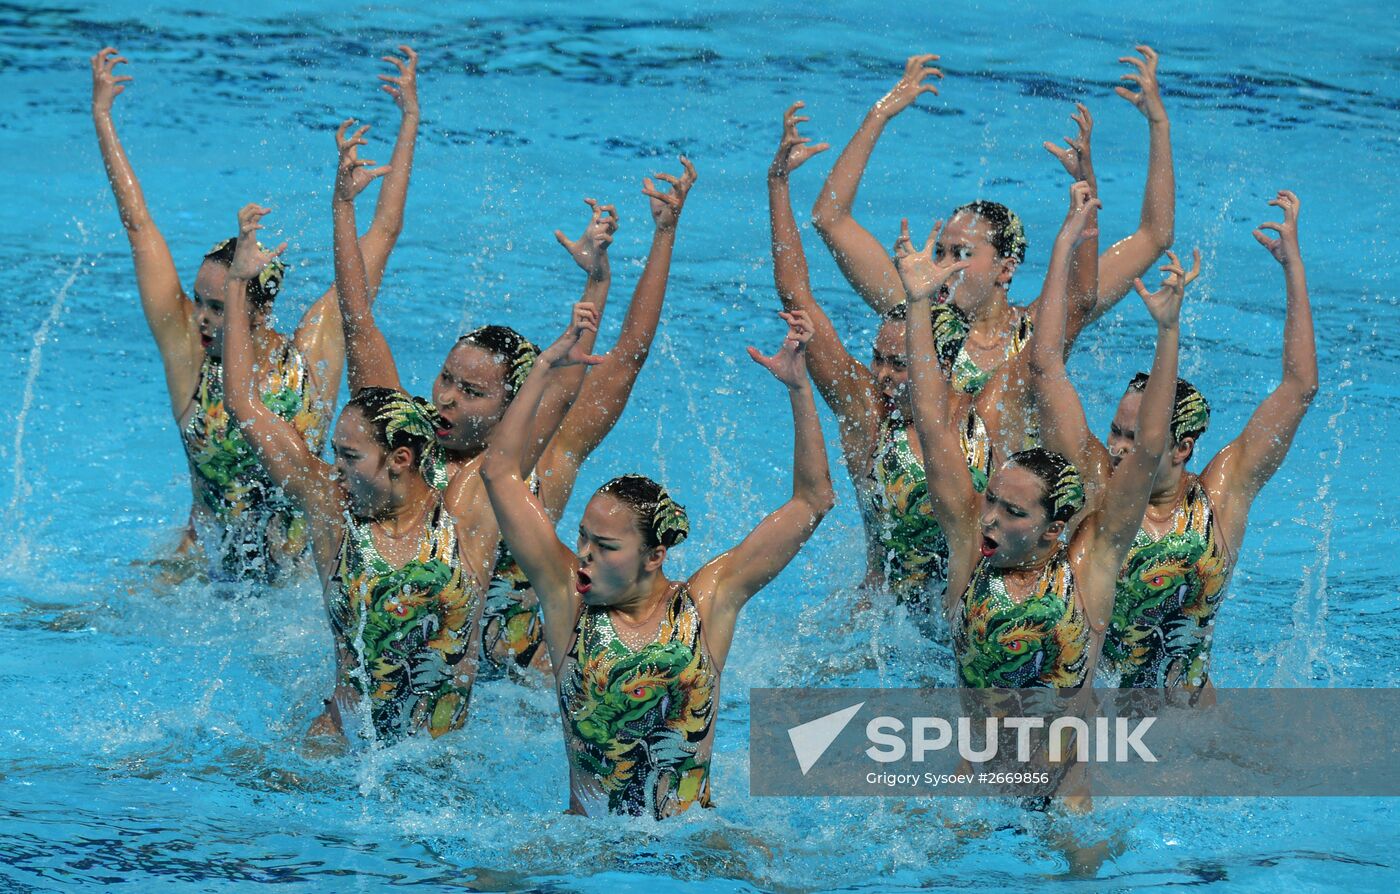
<point x="662" y="521"/>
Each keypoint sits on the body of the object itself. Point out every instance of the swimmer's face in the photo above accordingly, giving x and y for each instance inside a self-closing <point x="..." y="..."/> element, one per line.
<point x="1122" y="438"/>
<point x="612" y="556"/>
<point x="364" y="470"/>
<point x="1015" y="526"/>
<point x="889" y="364"/>
<point x="965" y="238"/>
<point x="470" y="395"/>
<point x="209" y="285"/>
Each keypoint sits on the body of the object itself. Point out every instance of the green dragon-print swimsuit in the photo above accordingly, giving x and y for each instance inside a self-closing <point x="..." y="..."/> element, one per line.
<point x="639" y="726"/>
<point x="1168" y="592"/>
<point x="257" y="532"/>
<point x="970" y="378"/>
<point x="1041" y="642"/>
<point x="900" y="515"/>
<point x="512" y="628"/>
<point x="409" y="632"/>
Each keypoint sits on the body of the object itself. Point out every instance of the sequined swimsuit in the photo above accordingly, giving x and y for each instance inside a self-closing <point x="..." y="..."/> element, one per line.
<point x="257" y="532"/>
<point x="409" y="632"/>
<point x="900" y="515"/>
<point x="1167" y="596"/>
<point x="639" y="725"/>
<point x="970" y="378"/>
<point x="1041" y="642"/>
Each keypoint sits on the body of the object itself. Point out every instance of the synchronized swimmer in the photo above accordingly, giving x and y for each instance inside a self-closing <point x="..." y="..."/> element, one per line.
<point x="1043" y="557"/>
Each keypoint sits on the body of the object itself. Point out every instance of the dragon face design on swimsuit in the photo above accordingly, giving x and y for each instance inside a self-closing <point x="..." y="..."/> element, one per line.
<point x="259" y="530"/>
<point x="638" y="724"/>
<point x="1041" y="642"/>
<point x="408" y="629"/>
<point x="901" y="517"/>
<point x="1164" y="607"/>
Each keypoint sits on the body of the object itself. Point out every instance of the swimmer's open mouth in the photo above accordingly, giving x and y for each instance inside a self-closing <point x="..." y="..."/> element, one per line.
<point x="583" y="583"/>
<point x="944" y="293"/>
<point x="989" y="546"/>
<point x="205" y="340"/>
<point x="444" y="428"/>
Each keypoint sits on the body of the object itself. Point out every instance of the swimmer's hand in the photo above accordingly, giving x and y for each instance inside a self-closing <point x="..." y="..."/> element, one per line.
<point x="1074" y="155"/>
<point x="251" y="257"/>
<point x="352" y="173"/>
<point x="106" y="84"/>
<point x="789" y="365"/>
<point x="666" y="206"/>
<point x="566" y="351"/>
<point x="793" y="149"/>
<point x="1285" y="248"/>
<point x="590" y="251"/>
<point x="1165" y="303"/>
<point x="404" y="85"/>
<point x="922" y="275"/>
<point x="909" y="88"/>
<point x="1082" y="204"/>
<point x="1149" y="99"/>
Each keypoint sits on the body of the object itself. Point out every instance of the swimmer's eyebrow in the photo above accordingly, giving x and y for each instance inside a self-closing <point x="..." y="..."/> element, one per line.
<point x="583" y="532"/>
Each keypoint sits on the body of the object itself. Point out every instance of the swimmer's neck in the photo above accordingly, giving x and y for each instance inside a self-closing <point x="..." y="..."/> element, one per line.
<point x="1167" y="492"/>
<point x="407" y="503"/>
<point x="988" y="323"/>
<point x="640" y="603"/>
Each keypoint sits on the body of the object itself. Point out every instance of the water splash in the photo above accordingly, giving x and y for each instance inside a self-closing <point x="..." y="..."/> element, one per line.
<point x="14" y="518"/>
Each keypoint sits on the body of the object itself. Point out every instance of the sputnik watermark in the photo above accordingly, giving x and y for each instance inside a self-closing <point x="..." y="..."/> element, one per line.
<point x="932" y="734"/>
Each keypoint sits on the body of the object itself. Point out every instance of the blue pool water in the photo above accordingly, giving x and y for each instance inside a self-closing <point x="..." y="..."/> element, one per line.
<point x="150" y="734"/>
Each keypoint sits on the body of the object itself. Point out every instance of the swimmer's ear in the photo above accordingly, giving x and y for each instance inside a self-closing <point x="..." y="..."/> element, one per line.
<point x="1182" y="450"/>
<point x="653" y="559"/>
<point x="1053" y="532"/>
<point x="399" y="460"/>
<point x="1006" y="271"/>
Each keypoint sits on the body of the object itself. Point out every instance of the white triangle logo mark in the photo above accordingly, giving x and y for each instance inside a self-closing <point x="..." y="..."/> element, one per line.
<point x="810" y="740"/>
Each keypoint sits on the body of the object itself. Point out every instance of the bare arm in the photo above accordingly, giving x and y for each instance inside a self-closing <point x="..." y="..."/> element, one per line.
<point x="845" y="384"/>
<point x="952" y="496"/>
<point x="1077" y="159"/>
<point x="528" y="530"/>
<point x="864" y="261"/>
<point x="609" y="384"/>
<point x="1237" y="474"/>
<point x="371" y="363"/>
<point x="726" y="583"/>
<point x="169" y="313"/>
<point x="1130" y="257"/>
<point x="590" y="252"/>
<point x="276" y="442"/>
<point x="1129" y="488"/>
<point x="1063" y="425"/>
<point x="321" y="335"/>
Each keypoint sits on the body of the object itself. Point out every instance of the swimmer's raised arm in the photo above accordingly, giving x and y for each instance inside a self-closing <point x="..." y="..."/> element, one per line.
<point x="1063" y="424"/>
<point x="527" y="529"/>
<point x="609" y="384"/>
<point x="169" y="312"/>
<point x="1129" y="258"/>
<point x="729" y="580"/>
<point x="1109" y="533"/>
<point x="590" y="252"/>
<point x="283" y="453"/>
<point x="1077" y="159"/>
<point x="369" y="360"/>
<point x="952" y="497"/>
<point x="844" y="382"/>
<point x="1245" y="465"/>
<point x="864" y="261"/>
<point x="320" y="335"/>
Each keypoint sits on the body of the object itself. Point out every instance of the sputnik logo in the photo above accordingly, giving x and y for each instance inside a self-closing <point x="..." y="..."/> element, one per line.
<point x="810" y="740"/>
